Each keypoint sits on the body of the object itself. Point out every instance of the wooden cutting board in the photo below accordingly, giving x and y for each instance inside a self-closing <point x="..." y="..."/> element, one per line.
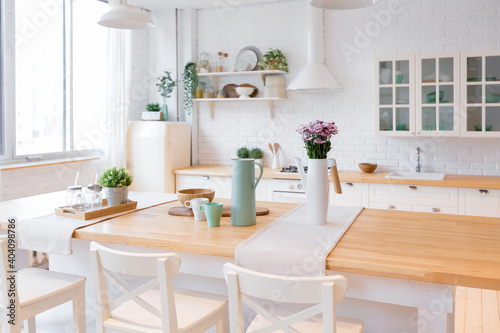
<point x="226" y="212"/>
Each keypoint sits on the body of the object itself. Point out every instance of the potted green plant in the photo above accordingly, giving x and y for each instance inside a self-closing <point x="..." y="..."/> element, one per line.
<point x="274" y="59"/>
<point x="243" y="152"/>
<point x="116" y="183"/>
<point x="165" y="87"/>
<point x="190" y="80"/>
<point x="256" y="154"/>
<point x="153" y="112"/>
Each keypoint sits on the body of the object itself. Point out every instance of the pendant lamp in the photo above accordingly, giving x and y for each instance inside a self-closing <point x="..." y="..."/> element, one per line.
<point x="125" y="16"/>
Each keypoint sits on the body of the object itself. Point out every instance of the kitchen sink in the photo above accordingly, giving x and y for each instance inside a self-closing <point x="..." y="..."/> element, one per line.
<point x="416" y="175"/>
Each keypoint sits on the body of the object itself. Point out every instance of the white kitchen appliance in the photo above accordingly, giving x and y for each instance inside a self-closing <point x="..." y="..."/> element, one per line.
<point x="154" y="150"/>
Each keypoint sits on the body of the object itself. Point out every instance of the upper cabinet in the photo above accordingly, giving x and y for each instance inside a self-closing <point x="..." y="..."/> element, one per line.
<point x="395" y="96"/>
<point x="481" y="94"/>
<point x="437" y="90"/>
<point x="444" y="94"/>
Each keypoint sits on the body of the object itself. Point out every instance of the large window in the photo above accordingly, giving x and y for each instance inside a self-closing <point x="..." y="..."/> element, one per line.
<point x="60" y="78"/>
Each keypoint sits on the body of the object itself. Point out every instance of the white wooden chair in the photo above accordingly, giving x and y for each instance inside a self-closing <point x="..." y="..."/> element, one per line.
<point x="245" y="285"/>
<point x="147" y="309"/>
<point x="36" y="291"/>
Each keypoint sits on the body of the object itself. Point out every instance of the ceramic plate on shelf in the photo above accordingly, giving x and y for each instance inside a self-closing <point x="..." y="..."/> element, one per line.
<point x="247" y="59"/>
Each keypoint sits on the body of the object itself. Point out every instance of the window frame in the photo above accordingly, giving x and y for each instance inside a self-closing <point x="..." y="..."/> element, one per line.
<point x="8" y="93"/>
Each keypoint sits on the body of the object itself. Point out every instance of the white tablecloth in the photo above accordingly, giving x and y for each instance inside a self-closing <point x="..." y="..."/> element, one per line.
<point x="289" y="246"/>
<point x="52" y="234"/>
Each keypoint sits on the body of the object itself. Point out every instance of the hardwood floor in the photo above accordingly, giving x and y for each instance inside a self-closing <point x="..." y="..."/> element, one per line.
<point x="477" y="310"/>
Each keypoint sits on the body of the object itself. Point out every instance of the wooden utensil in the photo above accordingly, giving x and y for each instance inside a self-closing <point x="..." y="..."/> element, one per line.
<point x="248" y="85"/>
<point x="276" y="147"/>
<point x="226" y="211"/>
<point x="230" y="91"/>
<point x="335" y="177"/>
<point x="271" y="148"/>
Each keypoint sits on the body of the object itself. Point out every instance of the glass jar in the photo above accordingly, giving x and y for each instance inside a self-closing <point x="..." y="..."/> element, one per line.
<point x="221" y="94"/>
<point x="209" y="92"/>
<point x="200" y="89"/>
<point x="220" y="62"/>
<point x="74" y="198"/>
<point x="204" y="62"/>
<point x="93" y="198"/>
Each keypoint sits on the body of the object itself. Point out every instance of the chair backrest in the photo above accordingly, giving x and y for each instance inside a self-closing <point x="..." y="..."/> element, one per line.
<point x="107" y="264"/>
<point x="10" y="300"/>
<point x="244" y="284"/>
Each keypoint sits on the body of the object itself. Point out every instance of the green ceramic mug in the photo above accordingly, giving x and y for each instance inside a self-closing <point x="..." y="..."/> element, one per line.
<point x="213" y="212"/>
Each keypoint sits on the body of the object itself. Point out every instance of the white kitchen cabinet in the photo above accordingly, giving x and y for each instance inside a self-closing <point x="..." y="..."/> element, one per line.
<point x="438" y="94"/>
<point x="479" y="202"/>
<point x="395" y="96"/>
<point x="481" y="93"/>
<point x="353" y="194"/>
<point x="222" y="186"/>
<point x="414" y="198"/>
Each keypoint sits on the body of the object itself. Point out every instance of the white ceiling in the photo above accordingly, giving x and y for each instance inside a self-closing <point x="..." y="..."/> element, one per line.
<point x="166" y="4"/>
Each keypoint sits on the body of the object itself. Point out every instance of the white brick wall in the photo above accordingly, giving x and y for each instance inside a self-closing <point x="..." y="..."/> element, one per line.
<point x="420" y="27"/>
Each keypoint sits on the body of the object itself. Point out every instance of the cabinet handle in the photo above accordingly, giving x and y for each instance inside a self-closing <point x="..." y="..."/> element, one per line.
<point x="391" y="206"/>
<point x="349" y="184"/>
<point x="484" y="192"/>
<point x="205" y="177"/>
<point x="412" y="188"/>
<point x="300" y="187"/>
<point x="435" y="210"/>
<point x="290" y="187"/>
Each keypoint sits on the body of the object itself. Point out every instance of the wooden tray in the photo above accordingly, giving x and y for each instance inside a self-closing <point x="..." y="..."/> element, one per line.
<point x="75" y="214"/>
<point x="226" y="211"/>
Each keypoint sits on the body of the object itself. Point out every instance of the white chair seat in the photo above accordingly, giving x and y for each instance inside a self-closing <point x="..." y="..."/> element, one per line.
<point x="38" y="284"/>
<point x="344" y="325"/>
<point x="190" y="305"/>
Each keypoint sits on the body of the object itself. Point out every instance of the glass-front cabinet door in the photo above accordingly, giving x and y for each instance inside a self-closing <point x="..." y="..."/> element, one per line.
<point x="395" y="96"/>
<point x="437" y="94"/>
<point x="481" y="94"/>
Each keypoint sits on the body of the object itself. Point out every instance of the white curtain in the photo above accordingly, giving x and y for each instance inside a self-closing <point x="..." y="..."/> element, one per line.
<point x="119" y="84"/>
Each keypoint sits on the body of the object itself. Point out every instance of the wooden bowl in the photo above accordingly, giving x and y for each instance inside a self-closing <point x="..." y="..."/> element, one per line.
<point x="191" y="193"/>
<point x="367" y="167"/>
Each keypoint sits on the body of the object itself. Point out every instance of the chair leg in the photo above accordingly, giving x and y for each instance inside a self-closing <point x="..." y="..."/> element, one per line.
<point x="222" y="326"/>
<point x="79" y="310"/>
<point x="31" y="325"/>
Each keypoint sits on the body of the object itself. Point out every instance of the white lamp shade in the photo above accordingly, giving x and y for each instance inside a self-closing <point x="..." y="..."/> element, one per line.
<point x="126" y="17"/>
<point x="343" y="4"/>
<point x="315" y="76"/>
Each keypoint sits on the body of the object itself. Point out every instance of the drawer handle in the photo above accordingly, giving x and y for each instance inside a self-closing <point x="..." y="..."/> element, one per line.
<point x="391" y="207"/>
<point x="484" y="192"/>
<point x="349" y="184"/>
<point x="205" y="177"/>
<point x="435" y="210"/>
<point x="412" y="188"/>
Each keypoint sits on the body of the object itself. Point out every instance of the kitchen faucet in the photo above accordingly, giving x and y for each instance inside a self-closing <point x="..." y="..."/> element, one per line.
<point x="417" y="169"/>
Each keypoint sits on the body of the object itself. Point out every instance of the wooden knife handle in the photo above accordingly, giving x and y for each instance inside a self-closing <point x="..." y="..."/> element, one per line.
<point x="336" y="180"/>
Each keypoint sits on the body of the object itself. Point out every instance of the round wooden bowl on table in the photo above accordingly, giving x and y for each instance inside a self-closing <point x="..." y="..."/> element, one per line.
<point x="367" y="167"/>
<point x="191" y="193"/>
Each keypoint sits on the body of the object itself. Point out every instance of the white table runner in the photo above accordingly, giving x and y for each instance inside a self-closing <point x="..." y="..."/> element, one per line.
<point x="289" y="246"/>
<point x="52" y="234"/>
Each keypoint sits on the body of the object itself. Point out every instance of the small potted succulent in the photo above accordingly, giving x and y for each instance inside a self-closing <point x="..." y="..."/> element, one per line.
<point x="243" y="152"/>
<point x="116" y="183"/>
<point x="165" y="88"/>
<point x="274" y="60"/>
<point x="153" y="112"/>
<point x="256" y="154"/>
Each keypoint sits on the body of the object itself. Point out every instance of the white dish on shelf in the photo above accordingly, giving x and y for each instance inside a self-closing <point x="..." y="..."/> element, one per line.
<point x="244" y="92"/>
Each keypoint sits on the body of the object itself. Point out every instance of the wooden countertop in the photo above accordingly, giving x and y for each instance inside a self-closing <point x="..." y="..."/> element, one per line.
<point x="489" y="182"/>
<point x="448" y="249"/>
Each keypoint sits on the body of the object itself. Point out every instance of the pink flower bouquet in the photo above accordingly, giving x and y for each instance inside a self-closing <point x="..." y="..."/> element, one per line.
<point x="316" y="136"/>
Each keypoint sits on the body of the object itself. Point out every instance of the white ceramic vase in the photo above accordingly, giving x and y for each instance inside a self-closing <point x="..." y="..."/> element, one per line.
<point x="317" y="191"/>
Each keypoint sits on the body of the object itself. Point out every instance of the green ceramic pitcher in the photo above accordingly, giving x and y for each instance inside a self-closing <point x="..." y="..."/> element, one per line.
<point x="243" y="191"/>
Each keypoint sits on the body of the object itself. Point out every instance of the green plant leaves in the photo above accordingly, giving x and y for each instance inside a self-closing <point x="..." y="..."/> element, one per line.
<point x="114" y="177"/>
<point x="274" y="59"/>
<point x="166" y="85"/>
<point x="190" y="80"/>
